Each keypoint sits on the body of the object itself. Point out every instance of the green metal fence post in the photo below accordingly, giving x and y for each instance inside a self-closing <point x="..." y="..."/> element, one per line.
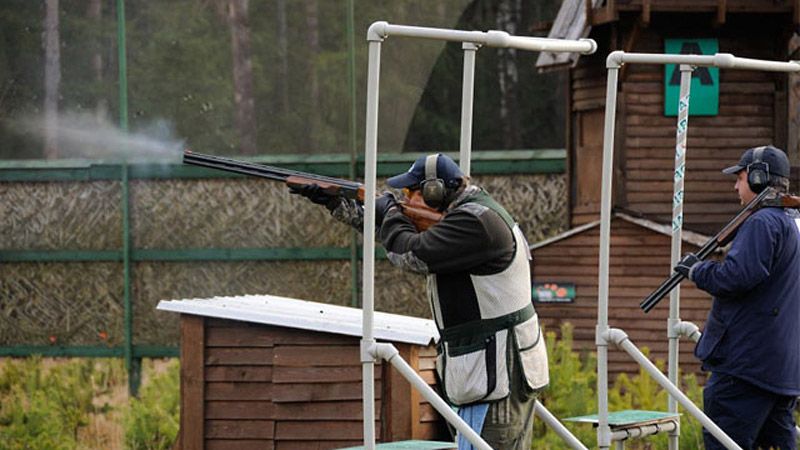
<point x="355" y="252"/>
<point x="132" y="364"/>
<point x="123" y="66"/>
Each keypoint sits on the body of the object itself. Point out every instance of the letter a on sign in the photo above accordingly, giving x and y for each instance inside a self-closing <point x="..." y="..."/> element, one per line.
<point x="704" y="95"/>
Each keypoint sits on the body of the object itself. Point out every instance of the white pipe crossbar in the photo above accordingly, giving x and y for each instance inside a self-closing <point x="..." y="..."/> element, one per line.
<point x="614" y="61"/>
<point x="377" y="32"/>
<point x="492" y="38"/>
<point x="722" y="60"/>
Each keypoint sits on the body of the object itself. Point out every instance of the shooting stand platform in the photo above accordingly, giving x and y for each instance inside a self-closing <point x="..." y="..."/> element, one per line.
<point x="634" y="423"/>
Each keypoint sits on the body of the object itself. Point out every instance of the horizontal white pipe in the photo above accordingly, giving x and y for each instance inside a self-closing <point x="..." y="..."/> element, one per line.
<point x="644" y="430"/>
<point x="552" y="422"/>
<point x="389" y="353"/>
<point x="379" y="31"/>
<point x="620" y="339"/>
<point x="723" y="60"/>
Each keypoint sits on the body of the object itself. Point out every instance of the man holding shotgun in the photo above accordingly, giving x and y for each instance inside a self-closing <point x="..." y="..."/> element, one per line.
<point x="751" y="341"/>
<point x="492" y="357"/>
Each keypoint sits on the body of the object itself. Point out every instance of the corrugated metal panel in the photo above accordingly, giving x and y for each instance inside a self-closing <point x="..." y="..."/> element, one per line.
<point x="306" y="315"/>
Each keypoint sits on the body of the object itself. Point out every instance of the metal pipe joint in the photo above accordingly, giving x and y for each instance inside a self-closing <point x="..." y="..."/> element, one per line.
<point x="369" y="351"/>
<point x="686" y="329"/>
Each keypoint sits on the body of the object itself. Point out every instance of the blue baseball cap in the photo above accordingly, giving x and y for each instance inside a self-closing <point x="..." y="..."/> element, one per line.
<point x="446" y="169"/>
<point x="775" y="158"/>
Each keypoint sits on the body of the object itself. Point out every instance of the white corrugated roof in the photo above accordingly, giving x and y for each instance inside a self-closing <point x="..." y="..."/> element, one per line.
<point x="306" y="315"/>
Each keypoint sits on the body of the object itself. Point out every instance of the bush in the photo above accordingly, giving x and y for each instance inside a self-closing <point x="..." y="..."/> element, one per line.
<point x="152" y="421"/>
<point x="44" y="409"/>
<point x="573" y="392"/>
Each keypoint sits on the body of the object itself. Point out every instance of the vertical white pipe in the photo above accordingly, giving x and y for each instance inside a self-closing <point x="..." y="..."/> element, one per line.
<point x="368" y="274"/>
<point x="603" y="430"/>
<point x="467" y="100"/>
<point x="677" y="228"/>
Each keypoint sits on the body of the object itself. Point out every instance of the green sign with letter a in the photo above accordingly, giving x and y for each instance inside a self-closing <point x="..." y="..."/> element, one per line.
<point x="704" y="94"/>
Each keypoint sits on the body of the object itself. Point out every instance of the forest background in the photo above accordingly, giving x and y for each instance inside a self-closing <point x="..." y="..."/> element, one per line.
<point x="255" y="77"/>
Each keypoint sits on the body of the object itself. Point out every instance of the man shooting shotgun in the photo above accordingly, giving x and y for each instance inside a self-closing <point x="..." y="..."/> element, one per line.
<point x="319" y="189"/>
<point x="751" y="340"/>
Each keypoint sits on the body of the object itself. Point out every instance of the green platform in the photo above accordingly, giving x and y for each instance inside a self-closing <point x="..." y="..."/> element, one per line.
<point x="411" y="445"/>
<point x="628" y="418"/>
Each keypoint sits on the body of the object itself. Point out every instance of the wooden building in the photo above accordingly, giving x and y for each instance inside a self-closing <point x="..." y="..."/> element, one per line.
<point x="640" y="252"/>
<point x="265" y="372"/>
<point x="754" y="108"/>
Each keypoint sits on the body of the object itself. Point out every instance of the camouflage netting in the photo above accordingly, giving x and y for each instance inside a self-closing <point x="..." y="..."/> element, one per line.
<point x="61" y="216"/>
<point x="61" y="303"/>
<point x="81" y="303"/>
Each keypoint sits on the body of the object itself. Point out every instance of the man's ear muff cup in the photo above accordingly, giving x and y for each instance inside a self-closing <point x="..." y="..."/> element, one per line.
<point x="433" y="192"/>
<point x="433" y="189"/>
<point x="758" y="172"/>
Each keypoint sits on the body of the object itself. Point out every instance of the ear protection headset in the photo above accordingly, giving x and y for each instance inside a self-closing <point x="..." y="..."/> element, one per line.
<point x="433" y="188"/>
<point x="758" y="172"/>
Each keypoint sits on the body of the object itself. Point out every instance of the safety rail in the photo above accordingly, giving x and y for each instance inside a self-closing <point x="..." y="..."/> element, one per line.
<point x="675" y="327"/>
<point x="377" y="33"/>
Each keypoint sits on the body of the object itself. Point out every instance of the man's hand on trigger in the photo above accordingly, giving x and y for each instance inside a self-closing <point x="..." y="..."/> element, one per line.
<point x="686" y="264"/>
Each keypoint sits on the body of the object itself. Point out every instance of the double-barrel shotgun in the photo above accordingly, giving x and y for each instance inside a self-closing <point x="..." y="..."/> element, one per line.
<point x="767" y="198"/>
<point x="413" y="207"/>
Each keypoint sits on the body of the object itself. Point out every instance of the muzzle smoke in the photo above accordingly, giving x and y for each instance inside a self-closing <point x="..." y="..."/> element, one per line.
<point x="81" y="135"/>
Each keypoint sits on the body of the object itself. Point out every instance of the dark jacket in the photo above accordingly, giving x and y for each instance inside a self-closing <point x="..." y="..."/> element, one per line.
<point x="753" y="329"/>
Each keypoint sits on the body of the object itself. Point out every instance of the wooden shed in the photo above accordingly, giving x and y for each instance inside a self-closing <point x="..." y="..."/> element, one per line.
<point x="266" y="372"/>
<point x="639" y="262"/>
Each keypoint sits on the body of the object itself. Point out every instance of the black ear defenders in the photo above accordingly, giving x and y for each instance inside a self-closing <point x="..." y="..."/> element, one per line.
<point x="433" y="188"/>
<point x="758" y="172"/>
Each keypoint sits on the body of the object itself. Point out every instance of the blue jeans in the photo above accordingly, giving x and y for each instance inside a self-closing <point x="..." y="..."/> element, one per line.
<point x="749" y="415"/>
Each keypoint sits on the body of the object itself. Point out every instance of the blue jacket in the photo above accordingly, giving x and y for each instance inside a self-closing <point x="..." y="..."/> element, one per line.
<point x="753" y="329"/>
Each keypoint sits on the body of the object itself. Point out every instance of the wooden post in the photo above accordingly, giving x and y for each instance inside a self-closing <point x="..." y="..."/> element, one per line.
<point x="646" y="13"/>
<point x="192" y="383"/>
<point x="401" y="402"/>
<point x="722" y="11"/>
<point x="588" y="11"/>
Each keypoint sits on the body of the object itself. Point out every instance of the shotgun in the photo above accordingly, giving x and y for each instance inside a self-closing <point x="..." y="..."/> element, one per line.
<point x="413" y="207"/>
<point x="767" y="198"/>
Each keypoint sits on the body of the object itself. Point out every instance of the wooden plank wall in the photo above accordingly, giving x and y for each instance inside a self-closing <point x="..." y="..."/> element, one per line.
<point x="639" y="263"/>
<point x="747" y="118"/>
<point x="752" y="112"/>
<point x="263" y="387"/>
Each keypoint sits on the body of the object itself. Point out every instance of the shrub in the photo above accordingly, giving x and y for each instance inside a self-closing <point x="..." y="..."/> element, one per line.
<point x="573" y="392"/>
<point x="152" y="421"/>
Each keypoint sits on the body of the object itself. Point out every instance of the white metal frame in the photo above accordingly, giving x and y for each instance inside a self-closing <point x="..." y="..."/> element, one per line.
<point x="676" y="328"/>
<point x="370" y="350"/>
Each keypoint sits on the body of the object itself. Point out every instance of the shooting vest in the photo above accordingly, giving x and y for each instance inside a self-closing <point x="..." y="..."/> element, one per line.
<point x="474" y="356"/>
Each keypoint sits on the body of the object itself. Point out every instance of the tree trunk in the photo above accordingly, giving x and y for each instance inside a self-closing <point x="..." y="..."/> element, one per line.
<point x="509" y="14"/>
<point x="244" y="103"/>
<point x="95" y="13"/>
<point x="283" y="54"/>
<point x="52" y="79"/>
<point x="312" y="35"/>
